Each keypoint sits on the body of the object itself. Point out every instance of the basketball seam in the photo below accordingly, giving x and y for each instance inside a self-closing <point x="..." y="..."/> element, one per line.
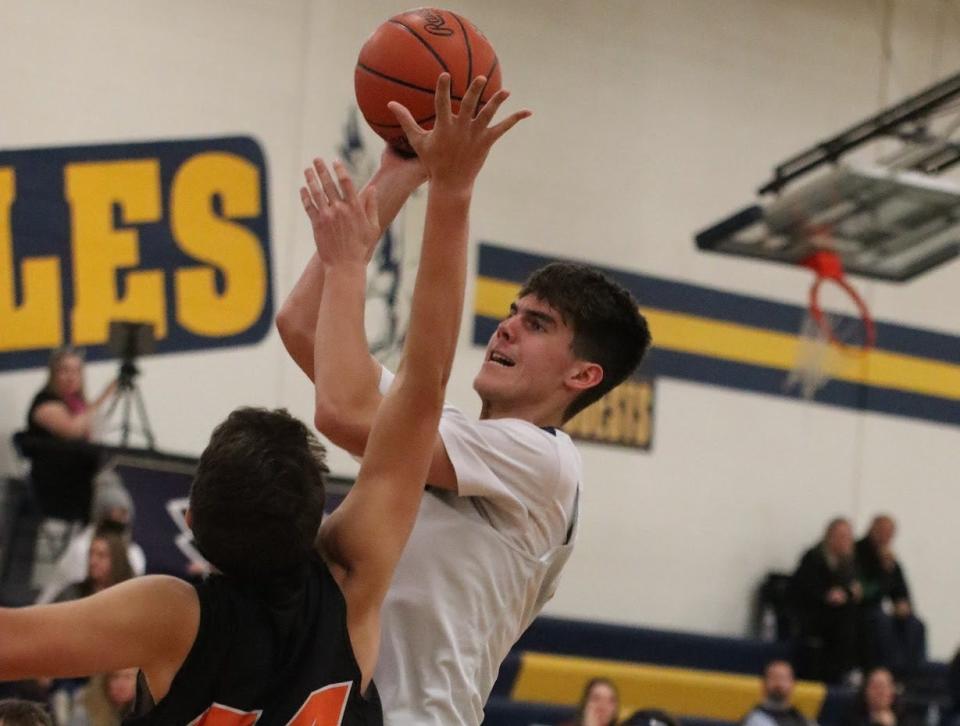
<point x="466" y="42"/>
<point x="493" y="69"/>
<point x="425" y="43"/>
<point x="420" y="122"/>
<point x="402" y="82"/>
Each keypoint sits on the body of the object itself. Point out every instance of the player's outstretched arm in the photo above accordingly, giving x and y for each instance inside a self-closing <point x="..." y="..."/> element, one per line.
<point x="148" y="623"/>
<point x="395" y="179"/>
<point x="364" y="537"/>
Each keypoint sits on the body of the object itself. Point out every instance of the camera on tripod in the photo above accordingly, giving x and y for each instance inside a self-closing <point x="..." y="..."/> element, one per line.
<point x="128" y="341"/>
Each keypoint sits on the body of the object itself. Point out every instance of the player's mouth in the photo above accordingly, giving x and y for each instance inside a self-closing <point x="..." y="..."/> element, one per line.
<point x="500" y="359"/>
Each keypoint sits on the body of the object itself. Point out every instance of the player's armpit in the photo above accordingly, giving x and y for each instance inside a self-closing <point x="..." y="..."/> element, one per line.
<point x="442" y="474"/>
<point x="148" y="623"/>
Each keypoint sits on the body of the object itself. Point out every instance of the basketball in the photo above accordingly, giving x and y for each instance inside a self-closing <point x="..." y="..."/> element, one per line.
<point x="402" y="60"/>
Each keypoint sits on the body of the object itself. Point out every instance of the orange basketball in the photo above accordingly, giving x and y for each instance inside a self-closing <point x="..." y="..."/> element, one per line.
<point x="403" y="58"/>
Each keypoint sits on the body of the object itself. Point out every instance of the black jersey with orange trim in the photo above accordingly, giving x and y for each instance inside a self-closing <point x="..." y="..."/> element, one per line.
<point x="275" y="655"/>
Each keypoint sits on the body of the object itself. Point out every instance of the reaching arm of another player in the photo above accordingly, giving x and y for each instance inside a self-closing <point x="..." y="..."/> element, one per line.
<point x="395" y="180"/>
<point x="148" y="623"/>
<point x="366" y="534"/>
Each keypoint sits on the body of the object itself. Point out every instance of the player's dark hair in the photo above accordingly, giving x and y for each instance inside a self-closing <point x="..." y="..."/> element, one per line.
<point x="257" y="498"/>
<point x="14" y="712"/>
<point x="608" y="328"/>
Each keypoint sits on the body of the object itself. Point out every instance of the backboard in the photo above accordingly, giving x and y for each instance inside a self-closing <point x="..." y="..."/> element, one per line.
<point x="883" y="223"/>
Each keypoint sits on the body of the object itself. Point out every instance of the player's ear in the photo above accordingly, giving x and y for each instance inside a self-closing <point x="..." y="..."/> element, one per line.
<point x="584" y="375"/>
<point x="188" y="518"/>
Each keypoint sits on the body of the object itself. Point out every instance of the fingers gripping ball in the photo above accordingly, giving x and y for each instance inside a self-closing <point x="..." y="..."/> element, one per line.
<point x="402" y="60"/>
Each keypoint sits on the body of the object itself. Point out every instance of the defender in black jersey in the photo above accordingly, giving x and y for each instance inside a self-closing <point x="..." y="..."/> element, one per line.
<point x="285" y="635"/>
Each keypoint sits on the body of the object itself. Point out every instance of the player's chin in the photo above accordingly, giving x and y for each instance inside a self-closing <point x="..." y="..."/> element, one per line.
<point x="490" y="378"/>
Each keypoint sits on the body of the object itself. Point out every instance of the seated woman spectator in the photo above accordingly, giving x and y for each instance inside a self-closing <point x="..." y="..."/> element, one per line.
<point x="107" y="565"/>
<point x="106" y="700"/>
<point x="14" y="712"/>
<point x="893" y="635"/>
<point x="826" y="597"/>
<point x="877" y="703"/>
<point x="59" y="425"/>
<point x="111" y="504"/>
<point x="599" y="704"/>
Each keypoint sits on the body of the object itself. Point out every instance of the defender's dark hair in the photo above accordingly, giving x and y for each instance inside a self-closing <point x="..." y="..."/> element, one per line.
<point x="608" y="328"/>
<point x="14" y="712"/>
<point x="257" y="497"/>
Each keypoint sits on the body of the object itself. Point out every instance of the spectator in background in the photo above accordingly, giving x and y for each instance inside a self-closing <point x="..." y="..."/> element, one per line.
<point x="111" y="505"/>
<point x="14" y="712"/>
<point x="61" y="408"/>
<point x="877" y="702"/>
<point x="106" y="700"/>
<point x="776" y="708"/>
<point x="827" y="596"/>
<point x="599" y="704"/>
<point x="953" y="686"/>
<point x="893" y="636"/>
<point x="59" y="422"/>
<point x="107" y="565"/>
<point x="650" y="717"/>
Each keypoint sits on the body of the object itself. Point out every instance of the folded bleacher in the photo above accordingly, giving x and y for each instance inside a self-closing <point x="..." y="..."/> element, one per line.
<point x="705" y="680"/>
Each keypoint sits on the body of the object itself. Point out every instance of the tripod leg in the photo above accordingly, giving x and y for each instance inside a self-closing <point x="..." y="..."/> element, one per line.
<point x="125" y="419"/>
<point x="144" y="421"/>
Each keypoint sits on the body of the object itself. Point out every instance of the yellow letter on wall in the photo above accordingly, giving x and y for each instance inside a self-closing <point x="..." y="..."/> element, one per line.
<point x="37" y="322"/>
<point x="100" y="249"/>
<point x="225" y="245"/>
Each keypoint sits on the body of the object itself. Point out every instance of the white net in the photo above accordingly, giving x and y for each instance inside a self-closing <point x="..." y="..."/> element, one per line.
<point x="819" y="359"/>
<point x="815" y="359"/>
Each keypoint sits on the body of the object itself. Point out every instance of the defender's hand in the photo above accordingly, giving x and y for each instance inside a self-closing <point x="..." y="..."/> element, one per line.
<point x="345" y="224"/>
<point x="453" y="152"/>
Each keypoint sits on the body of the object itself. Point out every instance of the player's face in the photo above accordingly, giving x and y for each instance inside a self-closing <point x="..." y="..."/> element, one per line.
<point x="529" y="356"/>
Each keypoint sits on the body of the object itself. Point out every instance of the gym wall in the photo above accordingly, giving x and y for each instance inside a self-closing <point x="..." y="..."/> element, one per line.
<point x="652" y="121"/>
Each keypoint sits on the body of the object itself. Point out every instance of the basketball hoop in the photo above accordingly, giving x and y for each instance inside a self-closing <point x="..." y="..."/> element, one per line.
<point x="827" y="341"/>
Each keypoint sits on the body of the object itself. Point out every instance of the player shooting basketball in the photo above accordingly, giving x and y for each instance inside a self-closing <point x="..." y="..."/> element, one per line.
<point x="282" y="636"/>
<point x="498" y="520"/>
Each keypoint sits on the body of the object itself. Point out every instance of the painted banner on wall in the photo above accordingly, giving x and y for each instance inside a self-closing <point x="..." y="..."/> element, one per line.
<point x="737" y="341"/>
<point x="171" y="233"/>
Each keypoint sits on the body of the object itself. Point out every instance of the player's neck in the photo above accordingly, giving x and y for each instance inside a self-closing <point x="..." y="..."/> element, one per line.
<point x="538" y="414"/>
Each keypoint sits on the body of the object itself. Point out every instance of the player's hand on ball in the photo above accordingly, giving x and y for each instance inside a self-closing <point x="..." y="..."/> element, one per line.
<point x="453" y="151"/>
<point x="345" y="224"/>
<point x="391" y="161"/>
